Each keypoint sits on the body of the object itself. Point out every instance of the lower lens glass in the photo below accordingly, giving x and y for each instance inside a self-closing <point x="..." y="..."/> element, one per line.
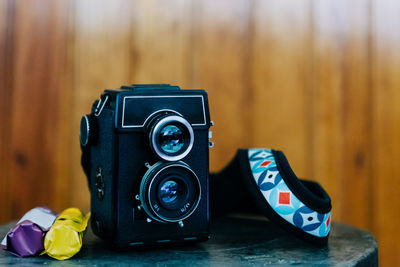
<point x="173" y="192"/>
<point x="171" y="139"/>
<point x="169" y="191"/>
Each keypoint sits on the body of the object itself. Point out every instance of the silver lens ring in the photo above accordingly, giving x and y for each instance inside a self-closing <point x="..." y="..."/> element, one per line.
<point x="147" y="185"/>
<point x="158" y="127"/>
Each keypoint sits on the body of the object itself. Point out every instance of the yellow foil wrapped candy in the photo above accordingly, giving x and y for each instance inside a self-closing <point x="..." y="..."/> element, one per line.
<point x="64" y="239"/>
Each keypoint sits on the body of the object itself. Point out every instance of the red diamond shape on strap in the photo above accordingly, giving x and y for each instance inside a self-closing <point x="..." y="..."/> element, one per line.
<point x="284" y="198"/>
<point x="265" y="163"/>
<point x="328" y="221"/>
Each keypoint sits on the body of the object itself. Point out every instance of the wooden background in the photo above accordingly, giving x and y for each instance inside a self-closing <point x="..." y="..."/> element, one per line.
<point x="318" y="79"/>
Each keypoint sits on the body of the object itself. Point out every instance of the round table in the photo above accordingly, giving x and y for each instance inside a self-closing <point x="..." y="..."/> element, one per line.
<point x="235" y="240"/>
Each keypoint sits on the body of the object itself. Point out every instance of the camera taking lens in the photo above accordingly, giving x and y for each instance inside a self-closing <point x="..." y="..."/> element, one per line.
<point x="169" y="192"/>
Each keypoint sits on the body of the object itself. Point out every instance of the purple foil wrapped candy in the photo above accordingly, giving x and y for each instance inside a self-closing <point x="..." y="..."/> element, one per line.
<point x="26" y="238"/>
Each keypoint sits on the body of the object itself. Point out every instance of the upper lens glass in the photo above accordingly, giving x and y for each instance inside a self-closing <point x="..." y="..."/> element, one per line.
<point x="169" y="191"/>
<point x="171" y="139"/>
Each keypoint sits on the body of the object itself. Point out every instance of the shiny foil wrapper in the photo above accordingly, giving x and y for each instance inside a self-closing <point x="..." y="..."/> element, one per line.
<point x="64" y="239"/>
<point x="26" y="238"/>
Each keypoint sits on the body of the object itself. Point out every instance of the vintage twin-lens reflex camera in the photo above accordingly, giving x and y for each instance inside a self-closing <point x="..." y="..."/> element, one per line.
<point x="145" y="153"/>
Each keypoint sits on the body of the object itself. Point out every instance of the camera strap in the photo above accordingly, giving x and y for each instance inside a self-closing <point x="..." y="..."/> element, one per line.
<point x="262" y="180"/>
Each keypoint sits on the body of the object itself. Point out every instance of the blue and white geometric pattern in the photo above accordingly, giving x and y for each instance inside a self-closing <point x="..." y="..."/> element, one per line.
<point x="281" y="199"/>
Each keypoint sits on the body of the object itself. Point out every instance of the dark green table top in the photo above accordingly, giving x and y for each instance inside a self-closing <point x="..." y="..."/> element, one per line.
<point x="234" y="241"/>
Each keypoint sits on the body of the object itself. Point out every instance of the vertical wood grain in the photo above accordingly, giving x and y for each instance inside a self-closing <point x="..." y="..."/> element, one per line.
<point x="341" y="95"/>
<point x="7" y="12"/>
<point x="63" y="81"/>
<point x="281" y="79"/>
<point x="386" y="131"/>
<point x="356" y="116"/>
<point x="39" y="62"/>
<point x="221" y="66"/>
<point x="101" y="60"/>
<point x="163" y="26"/>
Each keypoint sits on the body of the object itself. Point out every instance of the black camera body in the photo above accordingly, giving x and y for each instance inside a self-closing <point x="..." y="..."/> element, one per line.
<point x="145" y="151"/>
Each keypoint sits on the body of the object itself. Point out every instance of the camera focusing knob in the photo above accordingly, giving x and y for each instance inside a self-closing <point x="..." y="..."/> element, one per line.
<point x="148" y="220"/>
<point x="210" y="143"/>
<point x="181" y="224"/>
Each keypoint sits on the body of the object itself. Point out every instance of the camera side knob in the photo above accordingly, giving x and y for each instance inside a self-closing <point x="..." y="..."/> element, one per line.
<point x="88" y="130"/>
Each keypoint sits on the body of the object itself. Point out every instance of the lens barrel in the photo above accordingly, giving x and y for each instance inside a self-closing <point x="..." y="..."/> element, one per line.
<point x="170" y="192"/>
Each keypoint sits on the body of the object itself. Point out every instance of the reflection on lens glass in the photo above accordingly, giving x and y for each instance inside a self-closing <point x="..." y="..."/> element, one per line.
<point x="171" y="139"/>
<point x="169" y="191"/>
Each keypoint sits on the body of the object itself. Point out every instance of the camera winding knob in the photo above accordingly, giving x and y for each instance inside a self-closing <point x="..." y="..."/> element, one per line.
<point x="88" y="130"/>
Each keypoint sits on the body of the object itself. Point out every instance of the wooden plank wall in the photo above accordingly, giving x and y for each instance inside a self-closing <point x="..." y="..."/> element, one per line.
<point x="317" y="79"/>
<point x="386" y="130"/>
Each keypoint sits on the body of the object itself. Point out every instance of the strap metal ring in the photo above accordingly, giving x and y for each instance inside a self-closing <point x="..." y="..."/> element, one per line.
<point x="98" y="111"/>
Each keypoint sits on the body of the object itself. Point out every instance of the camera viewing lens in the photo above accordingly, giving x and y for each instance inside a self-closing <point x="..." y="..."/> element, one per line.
<point x="170" y="192"/>
<point x="171" y="139"/>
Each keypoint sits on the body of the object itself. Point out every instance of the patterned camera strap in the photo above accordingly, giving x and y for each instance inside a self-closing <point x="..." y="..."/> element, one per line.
<point x="290" y="207"/>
